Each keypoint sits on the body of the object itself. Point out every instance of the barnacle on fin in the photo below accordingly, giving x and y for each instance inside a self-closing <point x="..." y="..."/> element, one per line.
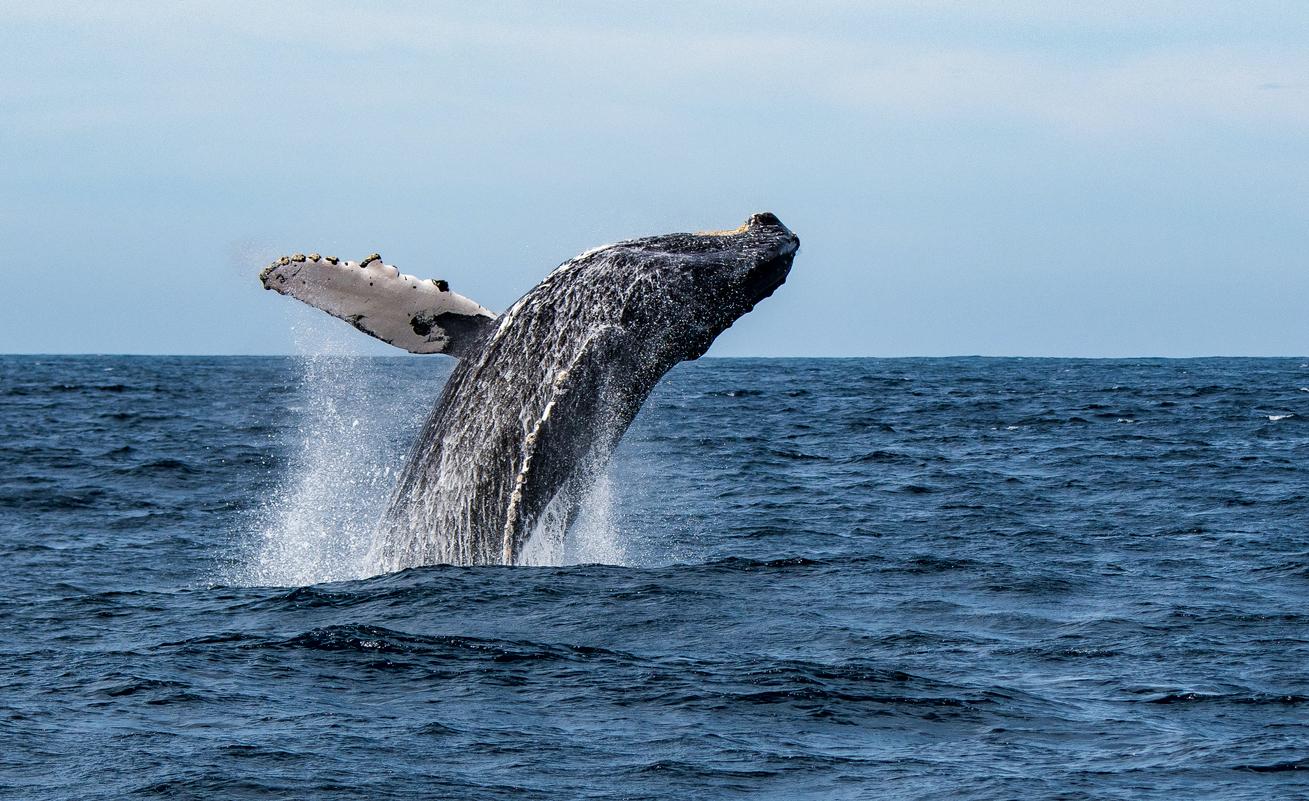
<point x="370" y="259"/>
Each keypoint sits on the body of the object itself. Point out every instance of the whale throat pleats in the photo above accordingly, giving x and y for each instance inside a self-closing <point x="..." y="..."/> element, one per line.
<point x="419" y="315"/>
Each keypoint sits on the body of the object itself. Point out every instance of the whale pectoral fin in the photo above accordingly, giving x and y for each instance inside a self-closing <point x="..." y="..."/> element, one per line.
<point x="414" y="314"/>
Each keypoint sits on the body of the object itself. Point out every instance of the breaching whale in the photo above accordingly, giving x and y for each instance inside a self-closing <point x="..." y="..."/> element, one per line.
<point x="543" y="392"/>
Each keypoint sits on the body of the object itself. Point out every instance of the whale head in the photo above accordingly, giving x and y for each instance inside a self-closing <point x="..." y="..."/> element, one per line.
<point x="748" y="264"/>
<point x="682" y="290"/>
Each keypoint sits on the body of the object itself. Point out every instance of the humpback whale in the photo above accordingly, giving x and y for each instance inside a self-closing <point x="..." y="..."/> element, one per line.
<point x="543" y="392"/>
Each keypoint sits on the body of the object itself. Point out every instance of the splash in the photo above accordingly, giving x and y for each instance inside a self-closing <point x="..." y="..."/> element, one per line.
<point x="596" y="535"/>
<point x="593" y="538"/>
<point x="355" y="418"/>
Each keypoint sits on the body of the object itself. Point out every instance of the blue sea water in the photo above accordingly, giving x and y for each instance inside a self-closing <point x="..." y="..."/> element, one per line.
<point x="829" y="579"/>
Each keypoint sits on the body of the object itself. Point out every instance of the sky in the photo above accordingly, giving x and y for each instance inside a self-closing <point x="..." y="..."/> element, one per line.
<point x="1020" y="178"/>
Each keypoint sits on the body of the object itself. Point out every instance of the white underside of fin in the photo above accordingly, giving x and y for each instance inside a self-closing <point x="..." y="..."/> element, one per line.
<point x="416" y="314"/>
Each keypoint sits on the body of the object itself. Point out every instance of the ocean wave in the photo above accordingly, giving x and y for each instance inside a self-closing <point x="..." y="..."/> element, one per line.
<point x="158" y="467"/>
<point x="1259" y="699"/>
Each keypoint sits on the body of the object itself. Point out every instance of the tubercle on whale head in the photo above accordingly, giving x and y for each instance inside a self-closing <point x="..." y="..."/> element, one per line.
<point x="764" y="219"/>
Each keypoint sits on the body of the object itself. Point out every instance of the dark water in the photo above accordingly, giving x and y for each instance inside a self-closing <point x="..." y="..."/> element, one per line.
<point x="967" y="578"/>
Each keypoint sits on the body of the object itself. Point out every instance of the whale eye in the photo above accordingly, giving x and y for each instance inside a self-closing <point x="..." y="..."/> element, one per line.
<point x="766" y="218"/>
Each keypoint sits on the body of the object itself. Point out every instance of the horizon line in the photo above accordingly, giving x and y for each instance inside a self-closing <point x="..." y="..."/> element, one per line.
<point x="702" y="358"/>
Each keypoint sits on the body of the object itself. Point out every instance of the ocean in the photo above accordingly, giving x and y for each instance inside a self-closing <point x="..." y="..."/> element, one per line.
<point x="965" y="578"/>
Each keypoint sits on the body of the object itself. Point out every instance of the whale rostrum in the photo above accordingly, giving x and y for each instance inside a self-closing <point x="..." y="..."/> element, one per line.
<point x="543" y="392"/>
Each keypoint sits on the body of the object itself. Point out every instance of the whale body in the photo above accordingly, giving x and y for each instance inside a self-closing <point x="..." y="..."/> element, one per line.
<point x="543" y="392"/>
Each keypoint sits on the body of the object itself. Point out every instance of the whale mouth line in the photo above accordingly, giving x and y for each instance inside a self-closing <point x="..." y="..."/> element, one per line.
<point x="772" y="273"/>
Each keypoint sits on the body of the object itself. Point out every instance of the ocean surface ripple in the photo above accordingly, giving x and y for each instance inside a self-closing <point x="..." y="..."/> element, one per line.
<point x="832" y="579"/>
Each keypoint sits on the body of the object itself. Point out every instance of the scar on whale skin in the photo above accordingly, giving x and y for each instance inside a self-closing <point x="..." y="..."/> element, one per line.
<point x="543" y="392"/>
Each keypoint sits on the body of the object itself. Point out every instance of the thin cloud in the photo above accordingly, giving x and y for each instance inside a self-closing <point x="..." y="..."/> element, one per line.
<point x="1150" y="93"/>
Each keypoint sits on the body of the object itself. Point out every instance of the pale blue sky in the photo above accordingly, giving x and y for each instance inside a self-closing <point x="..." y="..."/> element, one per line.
<point x="1023" y="178"/>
